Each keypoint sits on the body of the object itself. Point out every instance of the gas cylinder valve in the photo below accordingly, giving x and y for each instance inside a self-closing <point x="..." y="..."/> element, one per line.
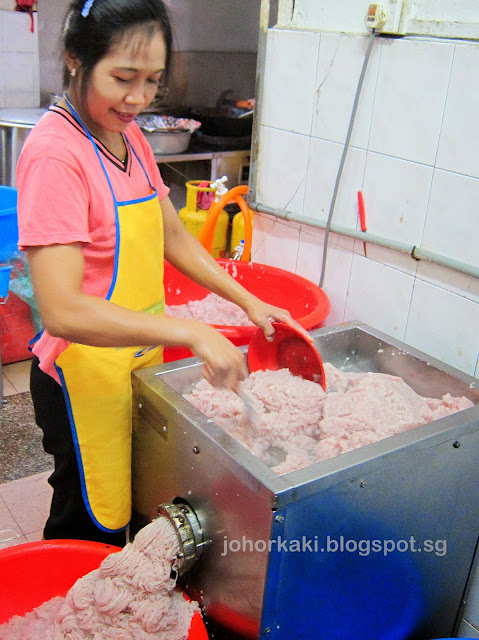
<point x="219" y="185"/>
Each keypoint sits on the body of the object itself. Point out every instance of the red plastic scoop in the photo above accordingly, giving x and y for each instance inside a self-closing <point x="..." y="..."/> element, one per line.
<point x="289" y="350"/>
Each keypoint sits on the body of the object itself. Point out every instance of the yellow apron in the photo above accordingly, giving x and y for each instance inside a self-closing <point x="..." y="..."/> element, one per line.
<point x="96" y="381"/>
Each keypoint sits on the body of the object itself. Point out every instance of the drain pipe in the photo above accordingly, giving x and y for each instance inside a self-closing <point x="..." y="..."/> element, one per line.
<point x="415" y="252"/>
<point x="344" y="153"/>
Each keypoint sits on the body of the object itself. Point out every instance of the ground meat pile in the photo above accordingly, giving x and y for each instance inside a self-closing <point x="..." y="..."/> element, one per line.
<point x="297" y="423"/>
<point x="213" y="310"/>
<point x="132" y="596"/>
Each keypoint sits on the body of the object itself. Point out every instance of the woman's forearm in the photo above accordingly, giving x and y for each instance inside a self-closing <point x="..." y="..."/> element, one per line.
<point x="69" y="313"/>
<point x="185" y="253"/>
<point x="97" y="322"/>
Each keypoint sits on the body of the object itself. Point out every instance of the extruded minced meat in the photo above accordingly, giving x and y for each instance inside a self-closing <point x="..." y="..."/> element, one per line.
<point x="213" y="310"/>
<point x="298" y="424"/>
<point x="131" y="596"/>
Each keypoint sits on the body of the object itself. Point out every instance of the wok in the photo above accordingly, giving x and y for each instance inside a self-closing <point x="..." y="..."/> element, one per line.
<point x="222" y="122"/>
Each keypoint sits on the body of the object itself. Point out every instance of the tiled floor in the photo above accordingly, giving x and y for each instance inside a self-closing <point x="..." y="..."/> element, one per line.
<point x="24" y="503"/>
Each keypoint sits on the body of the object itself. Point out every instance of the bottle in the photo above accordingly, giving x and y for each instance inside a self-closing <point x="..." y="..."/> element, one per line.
<point x="237" y="228"/>
<point x="238" y="254"/>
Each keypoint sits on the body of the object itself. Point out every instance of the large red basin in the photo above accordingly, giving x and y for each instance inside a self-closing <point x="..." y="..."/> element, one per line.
<point x="307" y="303"/>
<point x="35" y="572"/>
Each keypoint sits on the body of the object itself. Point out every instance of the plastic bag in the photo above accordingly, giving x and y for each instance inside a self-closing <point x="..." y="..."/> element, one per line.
<point x="21" y="286"/>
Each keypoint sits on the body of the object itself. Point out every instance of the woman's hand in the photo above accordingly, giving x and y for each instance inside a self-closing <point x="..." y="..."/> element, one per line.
<point x="263" y="314"/>
<point x="225" y="364"/>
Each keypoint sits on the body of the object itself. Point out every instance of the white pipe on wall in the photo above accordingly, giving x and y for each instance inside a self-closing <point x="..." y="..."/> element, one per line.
<point x="415" y="252"/>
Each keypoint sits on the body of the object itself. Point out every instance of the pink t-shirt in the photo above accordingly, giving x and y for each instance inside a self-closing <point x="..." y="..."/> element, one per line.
<point x="64" y="197"/>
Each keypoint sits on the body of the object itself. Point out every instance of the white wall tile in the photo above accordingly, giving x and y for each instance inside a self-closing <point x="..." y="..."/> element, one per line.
<point x="410" y="95"/>
<point x="460" y="129"/>
<point x="444" y="325"/>
<point x="280" y="247"/>
<point x="451" y="225"/>
<point x="337" y="273"/>
<point x="395" y="195"/>
<point x="282" y="165"/>
<point x="454" y="281"/>
<point x="323" y="167"/>
<point x="342" y="242"/>
<point x="379" y="296"/>
<point x="17" y="35"/>
<point x="339" y="67"/>
<point x="289" y="80"/>
<point x="19" y="72"/>
<point x="262" y="226"/>
<point x="310" y="253"/>
<point x="389" y="257"/>
<point x="21" y="99"/>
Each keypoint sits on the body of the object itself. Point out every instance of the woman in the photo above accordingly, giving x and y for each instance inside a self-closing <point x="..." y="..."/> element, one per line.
<point x="96" y="222"/>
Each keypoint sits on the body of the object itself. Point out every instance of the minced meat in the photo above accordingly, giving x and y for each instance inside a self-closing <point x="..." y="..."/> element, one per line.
<point x="298" y="424"/>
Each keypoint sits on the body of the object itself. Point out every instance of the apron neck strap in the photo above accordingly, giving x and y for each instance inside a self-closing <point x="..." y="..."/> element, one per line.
<point x="90" y="137"/>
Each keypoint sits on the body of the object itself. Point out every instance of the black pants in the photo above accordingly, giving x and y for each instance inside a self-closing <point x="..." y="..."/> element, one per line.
<point x="68" y="518"/>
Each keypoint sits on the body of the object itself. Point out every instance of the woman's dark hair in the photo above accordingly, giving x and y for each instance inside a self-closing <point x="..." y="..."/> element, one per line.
<point x="90" y="38"/>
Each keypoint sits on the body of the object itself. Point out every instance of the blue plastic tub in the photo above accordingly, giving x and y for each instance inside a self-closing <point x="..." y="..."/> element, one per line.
<point x="4" y="280"/>
<point x="8" y="223"/>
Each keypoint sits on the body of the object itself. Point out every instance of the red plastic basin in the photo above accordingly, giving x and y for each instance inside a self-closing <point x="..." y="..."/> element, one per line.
<point x="35" y="572"/>
<point x="307" y="303"/>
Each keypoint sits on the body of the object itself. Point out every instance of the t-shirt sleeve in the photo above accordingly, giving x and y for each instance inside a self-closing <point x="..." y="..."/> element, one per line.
<point x="52" y="203"/>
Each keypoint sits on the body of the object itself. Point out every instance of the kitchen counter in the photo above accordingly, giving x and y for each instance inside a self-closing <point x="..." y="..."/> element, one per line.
<point x="16" y="117"/>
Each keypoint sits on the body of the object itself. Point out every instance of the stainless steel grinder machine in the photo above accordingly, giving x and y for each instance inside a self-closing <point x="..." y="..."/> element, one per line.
<point x="374" y="544"/>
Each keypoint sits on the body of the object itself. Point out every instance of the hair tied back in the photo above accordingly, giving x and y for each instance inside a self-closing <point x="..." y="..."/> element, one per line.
<point x="86" y="8"/>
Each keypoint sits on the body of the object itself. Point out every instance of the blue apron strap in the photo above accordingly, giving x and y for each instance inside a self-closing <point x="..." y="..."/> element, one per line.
<point x="35" y="339"/>
<point x="115" y="202"/>
<point x="141" y="164"/>
<point x="77" y="117"/>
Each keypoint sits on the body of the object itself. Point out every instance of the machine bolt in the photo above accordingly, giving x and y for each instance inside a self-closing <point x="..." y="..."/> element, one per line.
<point x="196" y="449"/>
<point x="278" y="518"/>
<point x="267" y="631"/>
<point x="456" y="444"/>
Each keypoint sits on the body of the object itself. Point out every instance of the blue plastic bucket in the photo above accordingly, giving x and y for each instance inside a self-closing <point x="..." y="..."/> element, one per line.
<point x="4" y="280"/>
<point x="8" y="223"/>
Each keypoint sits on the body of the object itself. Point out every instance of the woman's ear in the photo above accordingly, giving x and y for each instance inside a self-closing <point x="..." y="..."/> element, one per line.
<point x="72" y="62"/>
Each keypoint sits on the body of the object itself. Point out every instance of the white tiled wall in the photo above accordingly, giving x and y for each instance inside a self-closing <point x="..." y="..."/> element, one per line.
<point x="414" y="154"/>
<point x="19" y="64"/>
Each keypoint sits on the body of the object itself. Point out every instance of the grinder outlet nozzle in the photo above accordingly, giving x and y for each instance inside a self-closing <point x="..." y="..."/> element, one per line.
<point x="188" y="529"/>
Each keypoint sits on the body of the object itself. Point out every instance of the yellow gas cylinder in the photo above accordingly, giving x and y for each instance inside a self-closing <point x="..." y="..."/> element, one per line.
<point x="193" y="217"/>
<point x="237" y="230"/>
